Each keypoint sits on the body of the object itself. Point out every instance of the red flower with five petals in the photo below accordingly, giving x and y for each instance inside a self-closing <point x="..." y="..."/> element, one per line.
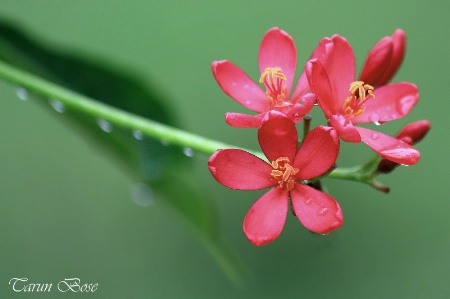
<point x="277" y="136"/>
<point x="277" y="60"/>
<point x="347" y="102"/>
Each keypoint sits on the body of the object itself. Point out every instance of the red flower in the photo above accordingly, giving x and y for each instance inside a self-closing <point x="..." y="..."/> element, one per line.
<point x="277" y="136"/>
<point x="411" y="133"/>
<point x="347" y="102"/>
<point x="277" y="60"/>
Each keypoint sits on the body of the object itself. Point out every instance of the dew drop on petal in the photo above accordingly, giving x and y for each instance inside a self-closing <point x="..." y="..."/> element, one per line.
<point x="104" y="125"/>
<point x="22" y="93"/>
<point x="375" y="136"/>
<point x="188" y="152"/>
<point x="142" y="195"/>
<point x="405" y="105"/>
<point x="323" y="211"/>
<point x="137" y="134"/>
<point x="375" y="118"/>
<point x="57" y="105"/>
<point x="308" y="201"/>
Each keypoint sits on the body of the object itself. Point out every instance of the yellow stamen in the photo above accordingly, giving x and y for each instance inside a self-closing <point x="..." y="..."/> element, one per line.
<point x="283" y="172"/>
<point x="354" y="105"/>
<point x="270" y="74"/>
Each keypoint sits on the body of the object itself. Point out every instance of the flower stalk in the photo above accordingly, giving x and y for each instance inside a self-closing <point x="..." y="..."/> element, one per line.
<point x="156" y="130"/>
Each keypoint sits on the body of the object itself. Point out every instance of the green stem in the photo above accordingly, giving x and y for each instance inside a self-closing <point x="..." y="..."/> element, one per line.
<point x="110" y="114"/>
<point x="148" y="127"/>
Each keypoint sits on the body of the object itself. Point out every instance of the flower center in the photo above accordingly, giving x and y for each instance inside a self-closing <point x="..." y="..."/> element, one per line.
<point x="283" y="172"/>
<point x="354" y="104"/>
<point x="273" y="79"/>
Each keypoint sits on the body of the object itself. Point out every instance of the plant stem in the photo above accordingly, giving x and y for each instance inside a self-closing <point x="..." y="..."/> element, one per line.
<point x="148" y="127"/>
<point x="110" y="114"/>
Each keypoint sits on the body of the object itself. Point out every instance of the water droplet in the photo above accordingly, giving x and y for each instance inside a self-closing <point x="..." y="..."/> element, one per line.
<point x="104" y="125"/>
<point x="57" y="105"/>
<point x="22" y="93"/>
<point x="375" y="136"/>
<point x="138" y="134"/>
<point x="297" y="117"/>
<point x="188" y="152"/>
<point x="406" y="104"/>
<point x="375" y="118"/>
<point x="405" y="165"/>
<point x="308" y="201"/>
<point x="323" y="211"/>
<point x="165" y="142"/>
<point x="142" y="195"/>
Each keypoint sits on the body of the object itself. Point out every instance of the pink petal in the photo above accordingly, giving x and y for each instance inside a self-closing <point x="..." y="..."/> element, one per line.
<point x="265" y="219"/>
<point x="302" y="86"/>
<point x="239" y="120"/>
<point x="399" y="41"/>
<point x="237" y="85"/>
<point x="317" y="211"/>
<point x="317" y="153"/>
<point x="297" y="111"/>
<point x="415" y="131"/>
<point x="277" y="49"/>
<point x="340" y="67"/>
<point x="377" y="62"/>
<point x="345" y="129"/>
<point x="391" y="102"/>
<point x="321" y="87"/>
<point x="389" y="148"/>
<point x="277" y="137"/>
<point x="240" y="170"/>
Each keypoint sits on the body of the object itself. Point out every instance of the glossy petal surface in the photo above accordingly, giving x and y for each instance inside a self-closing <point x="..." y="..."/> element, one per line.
<point x="265" y="219"/>
<point x="277" y="49"/>
<point x="340" y="67"/>
<point x="237" y="85"/>
<point x="240" y="170"/>
<point x="345" y="129"/>
<point x="317" y="153"/>
<point x="299" y="110"/>
<point x="302" y="86"/>
<point x="317" y="211"/>
<point x="399" y="43"/>
<point x="391" y="102"/>
<point x="377" y="62"/>
<point x="240" y="120"/>
<point x="277" y="137"/>
<point x="321" y="87"/>
<point x="389" y="148"/>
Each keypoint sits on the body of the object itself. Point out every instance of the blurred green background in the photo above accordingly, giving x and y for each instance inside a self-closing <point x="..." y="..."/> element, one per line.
<point x="67" y="211"/>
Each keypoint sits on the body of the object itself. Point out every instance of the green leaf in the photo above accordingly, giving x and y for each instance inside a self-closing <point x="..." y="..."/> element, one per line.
<point x="146" y="159"/>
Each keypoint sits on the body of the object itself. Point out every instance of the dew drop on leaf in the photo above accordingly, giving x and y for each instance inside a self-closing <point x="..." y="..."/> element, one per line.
<point x="104" y="125"/>
<point x="142" y="195"/>
<point x="188" y="152"/>
<point x="137" y="134"/>
<point x="22" y="93"/>
<point x="57" y="105"/>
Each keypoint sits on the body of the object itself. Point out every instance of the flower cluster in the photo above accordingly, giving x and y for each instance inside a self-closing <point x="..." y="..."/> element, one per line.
<point x="293" y="169"/>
